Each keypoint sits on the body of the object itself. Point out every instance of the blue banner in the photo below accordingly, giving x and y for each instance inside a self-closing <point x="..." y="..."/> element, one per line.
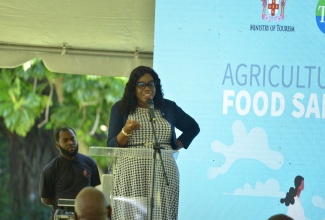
<point x="252" y="73"/>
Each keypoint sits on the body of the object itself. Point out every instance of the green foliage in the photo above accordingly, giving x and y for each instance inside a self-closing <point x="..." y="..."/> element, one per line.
<point x="21" y="102"/>
<point x="86" y="105"/>
<point x="29" y="92"/>
<point x="81" y="101"/>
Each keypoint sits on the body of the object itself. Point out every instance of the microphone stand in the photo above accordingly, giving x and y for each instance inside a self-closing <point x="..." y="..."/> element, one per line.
<point x="157" y="149"/>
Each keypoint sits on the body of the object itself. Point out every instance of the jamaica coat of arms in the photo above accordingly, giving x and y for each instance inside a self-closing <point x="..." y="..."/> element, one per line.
<point x="273" y="10"/>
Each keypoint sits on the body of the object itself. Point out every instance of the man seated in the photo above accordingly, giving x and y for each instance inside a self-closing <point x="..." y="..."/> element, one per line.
<point x="91" y="204"/>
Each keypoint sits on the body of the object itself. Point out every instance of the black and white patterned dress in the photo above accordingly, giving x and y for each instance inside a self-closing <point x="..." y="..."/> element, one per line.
<point x="133" y="173"/>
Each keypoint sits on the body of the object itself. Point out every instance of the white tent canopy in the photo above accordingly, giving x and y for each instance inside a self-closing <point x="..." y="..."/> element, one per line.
<point x="101" y="37"/>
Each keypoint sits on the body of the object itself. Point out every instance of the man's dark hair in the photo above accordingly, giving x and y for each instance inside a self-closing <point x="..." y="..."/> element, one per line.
<point x="57" y="132"/>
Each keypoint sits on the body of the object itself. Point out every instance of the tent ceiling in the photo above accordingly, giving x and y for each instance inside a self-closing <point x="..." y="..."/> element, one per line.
<point x="99" y="37"/>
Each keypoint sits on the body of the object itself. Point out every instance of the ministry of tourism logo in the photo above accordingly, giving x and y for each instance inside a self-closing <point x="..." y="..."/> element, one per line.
<point x="320" y="15"/>
<point x="273" y="10"/>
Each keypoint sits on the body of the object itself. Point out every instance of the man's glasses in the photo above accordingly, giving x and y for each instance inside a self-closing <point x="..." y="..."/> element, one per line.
<point x="142" y="85"/>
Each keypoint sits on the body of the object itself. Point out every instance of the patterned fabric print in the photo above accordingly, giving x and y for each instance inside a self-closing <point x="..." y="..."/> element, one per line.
<point x="132" y="177"/>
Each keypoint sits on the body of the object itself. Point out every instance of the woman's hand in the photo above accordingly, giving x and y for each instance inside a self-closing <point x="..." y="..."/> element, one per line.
<point x="180" y="145"/>
<point x="130" y="126"/>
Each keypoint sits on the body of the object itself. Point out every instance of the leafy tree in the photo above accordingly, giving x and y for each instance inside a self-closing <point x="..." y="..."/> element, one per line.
<point x="4" y="177"/>
<point x="34" y="102"/>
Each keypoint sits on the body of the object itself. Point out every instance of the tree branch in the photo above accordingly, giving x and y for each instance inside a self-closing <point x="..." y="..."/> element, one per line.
<point x="93" y="130"/>
<point x="47" y="110"/>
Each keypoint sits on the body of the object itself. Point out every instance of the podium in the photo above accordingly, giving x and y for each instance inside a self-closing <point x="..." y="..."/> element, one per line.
<point x="66" y="209"/>
<point x="112" y="155"/>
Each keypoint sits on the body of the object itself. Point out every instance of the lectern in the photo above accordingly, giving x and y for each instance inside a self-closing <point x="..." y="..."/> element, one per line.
<point x="112" y="154"/>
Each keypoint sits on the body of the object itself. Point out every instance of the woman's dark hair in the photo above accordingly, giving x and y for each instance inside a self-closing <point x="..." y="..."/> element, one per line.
<point x="298" y="181"/>
<point x="129" y="102"/>
<point x="289" y="199"/>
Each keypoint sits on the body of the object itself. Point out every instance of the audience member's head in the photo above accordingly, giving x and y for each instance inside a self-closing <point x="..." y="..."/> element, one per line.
<point x="91" y="203"/>
<point x="280" y="217"/>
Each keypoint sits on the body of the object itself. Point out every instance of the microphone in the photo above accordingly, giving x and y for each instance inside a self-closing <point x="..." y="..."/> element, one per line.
<point x="151" y="109"/>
